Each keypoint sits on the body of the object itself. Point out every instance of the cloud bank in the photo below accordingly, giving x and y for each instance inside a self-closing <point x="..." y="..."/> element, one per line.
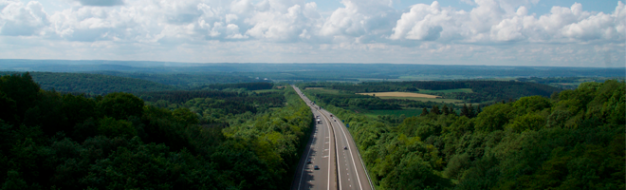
<point x="494" y="32"/>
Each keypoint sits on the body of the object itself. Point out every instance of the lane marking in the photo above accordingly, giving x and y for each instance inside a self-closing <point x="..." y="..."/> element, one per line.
<point x="352" y="156"/>
<point x="338" y="166"/>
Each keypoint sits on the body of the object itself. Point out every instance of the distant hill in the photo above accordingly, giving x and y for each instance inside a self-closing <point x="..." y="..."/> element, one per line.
<point x="309" y="71"/>
<point x="96" y="84"/>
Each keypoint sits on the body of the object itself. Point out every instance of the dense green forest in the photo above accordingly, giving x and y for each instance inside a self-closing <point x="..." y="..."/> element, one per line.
<point x="51" y="140"/>
<point x="96" y="84"/>
<point x="572" y="140"/>
<point x="184" y="81"/>
<point x="214" y="108"/>
<point x="482" y="90"/>
<point x="246" y="86"/>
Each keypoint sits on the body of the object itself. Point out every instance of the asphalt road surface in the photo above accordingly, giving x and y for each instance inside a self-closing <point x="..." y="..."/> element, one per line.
<point x="333" y="150"/>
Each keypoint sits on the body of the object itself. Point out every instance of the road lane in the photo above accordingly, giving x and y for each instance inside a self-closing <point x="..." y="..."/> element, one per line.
<point x="349" y="165"/>
<point x="321" y="150"/>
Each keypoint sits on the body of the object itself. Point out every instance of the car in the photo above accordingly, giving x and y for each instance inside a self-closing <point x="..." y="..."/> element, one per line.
<point x="345" y="148"/>
<point x="309" y="161"/>
<point x="316" y="167"/>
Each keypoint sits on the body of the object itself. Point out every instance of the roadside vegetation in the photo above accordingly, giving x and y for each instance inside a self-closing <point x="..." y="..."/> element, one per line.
<point x="51" y="140"/>
<point x="572" y="140"/>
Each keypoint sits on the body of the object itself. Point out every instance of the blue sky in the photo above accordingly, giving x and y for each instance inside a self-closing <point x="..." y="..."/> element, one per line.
<point x="460" y="32"/>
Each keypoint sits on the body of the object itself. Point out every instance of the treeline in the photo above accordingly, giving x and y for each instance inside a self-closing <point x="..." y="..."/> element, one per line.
<point x="356" y="101"/>
<point x="573" y="140"/>
<point x="95" y="84"/>
<point x="482" y="90"/>
<point x="50" y="140"/>
<point x="183" y="81"/>
<point x="181" y="96"/>
<point x="247" y="86"/>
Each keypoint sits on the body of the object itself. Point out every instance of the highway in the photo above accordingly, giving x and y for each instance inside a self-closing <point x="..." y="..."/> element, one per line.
<point x="332" y="148"/>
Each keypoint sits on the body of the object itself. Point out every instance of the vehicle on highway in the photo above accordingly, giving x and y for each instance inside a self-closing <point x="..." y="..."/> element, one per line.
<point x="319" y="121"/>
<point x="316" y="167"/>
<point x="309" y="161"/>
<point x="345" y="148"/>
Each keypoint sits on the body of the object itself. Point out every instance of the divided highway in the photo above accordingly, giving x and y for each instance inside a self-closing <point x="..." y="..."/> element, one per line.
<point x="333" y="150"/>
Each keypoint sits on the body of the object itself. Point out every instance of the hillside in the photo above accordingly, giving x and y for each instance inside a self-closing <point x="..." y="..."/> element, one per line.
<point x="573" y="140"/>
<point x="50" y="140"/>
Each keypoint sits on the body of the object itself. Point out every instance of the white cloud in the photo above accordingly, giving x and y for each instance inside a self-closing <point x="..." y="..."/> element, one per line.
<point x="362" y="30"/>
<point x="493" y="21"/>
<point x="359" y="18"/>
<point x="19" y="19"/>
<point x="101" y="2"/>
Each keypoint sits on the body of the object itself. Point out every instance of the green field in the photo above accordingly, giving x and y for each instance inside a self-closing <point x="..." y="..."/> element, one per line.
<point x="425" y="99"/>
<point x="407" y="112"/>
<point x="468" y="90"/>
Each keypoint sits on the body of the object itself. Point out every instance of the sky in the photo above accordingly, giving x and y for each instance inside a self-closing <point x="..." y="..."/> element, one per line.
<point x="583" y="33"/>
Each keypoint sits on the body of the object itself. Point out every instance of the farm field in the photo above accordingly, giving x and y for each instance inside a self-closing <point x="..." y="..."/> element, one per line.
<point x="400" y="94"/>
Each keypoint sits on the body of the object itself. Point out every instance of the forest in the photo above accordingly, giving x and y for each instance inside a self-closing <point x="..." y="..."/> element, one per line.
<point x="53" y="140"/>
<point x="183" y="80"/>
<point x="572" y="140"/>
<point x="95" y="84"/>
<point x="108" y="82"/>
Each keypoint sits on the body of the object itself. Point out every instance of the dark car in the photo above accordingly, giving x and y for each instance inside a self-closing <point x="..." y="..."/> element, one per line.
<point x="316" y="167"/>
<point x="345" y="148"/>
<point x="309" y="161"/>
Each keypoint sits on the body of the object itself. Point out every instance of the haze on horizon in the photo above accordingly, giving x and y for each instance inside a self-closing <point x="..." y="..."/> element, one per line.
<point x="456" y="32"/>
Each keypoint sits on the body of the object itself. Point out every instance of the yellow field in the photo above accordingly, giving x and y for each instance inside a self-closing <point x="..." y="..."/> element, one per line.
<point x="400" y="94"/>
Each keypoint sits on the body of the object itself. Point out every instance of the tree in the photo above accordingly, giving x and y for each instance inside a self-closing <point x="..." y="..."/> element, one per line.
<point x="424" y="112"/>
<point x="470" y="111"/>
<point x="465" y="111"/>
<point x="445" y="110"/>
<point x="451" y="111"/>
<point x="435" y="110"/>
<point x="121" y="105"/>
<point x="112" y="128"/>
